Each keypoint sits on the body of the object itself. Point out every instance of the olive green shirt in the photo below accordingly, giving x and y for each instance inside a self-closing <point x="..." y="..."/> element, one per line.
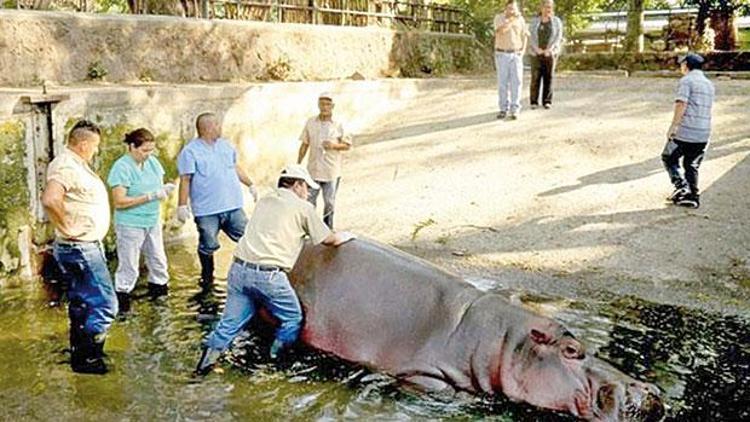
<point x="277" y="229"/>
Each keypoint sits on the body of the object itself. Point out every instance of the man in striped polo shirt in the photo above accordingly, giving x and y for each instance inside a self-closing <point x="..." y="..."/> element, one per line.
<point x="689" y="133"/>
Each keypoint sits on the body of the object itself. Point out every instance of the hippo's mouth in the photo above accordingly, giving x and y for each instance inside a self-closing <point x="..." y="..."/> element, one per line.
<point x="638" y="402"/>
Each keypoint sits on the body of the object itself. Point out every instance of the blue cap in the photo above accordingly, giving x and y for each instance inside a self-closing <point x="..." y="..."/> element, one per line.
<point x="692" y="59"/>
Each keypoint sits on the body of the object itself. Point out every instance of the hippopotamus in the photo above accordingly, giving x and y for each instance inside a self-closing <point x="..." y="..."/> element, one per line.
<point x="372" y="304"/>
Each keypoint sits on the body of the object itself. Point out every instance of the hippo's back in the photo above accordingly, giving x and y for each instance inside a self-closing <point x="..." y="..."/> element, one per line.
<point x="372" y="304"/>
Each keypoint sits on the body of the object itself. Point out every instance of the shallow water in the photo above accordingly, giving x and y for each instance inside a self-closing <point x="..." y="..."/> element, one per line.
<point x="700" y="361"/>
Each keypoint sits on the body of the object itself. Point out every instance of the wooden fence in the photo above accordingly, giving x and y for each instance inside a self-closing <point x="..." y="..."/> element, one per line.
<point x="410" y="14"/>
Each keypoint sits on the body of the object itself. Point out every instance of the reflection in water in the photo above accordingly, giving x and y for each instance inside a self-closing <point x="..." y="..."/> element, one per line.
<point x="700" y="361"/>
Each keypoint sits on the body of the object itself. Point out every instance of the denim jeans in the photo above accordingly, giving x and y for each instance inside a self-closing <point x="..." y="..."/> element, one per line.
<point x="84" y="267"/>
<point x="329" y="198"/>
<point x="248" y="288"/>
<point x="131" y="242"/>
<point x="692" y="155"/>
<point x="509" y="80"/>
<point x="230" y="222"/>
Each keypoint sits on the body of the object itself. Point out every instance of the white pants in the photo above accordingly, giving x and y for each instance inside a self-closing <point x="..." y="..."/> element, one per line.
<point x="509" y="81"/>
<point x="131" y="241"/>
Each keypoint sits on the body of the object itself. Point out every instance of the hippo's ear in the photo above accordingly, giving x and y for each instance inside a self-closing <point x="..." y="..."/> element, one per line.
<point x="540" y="337"/>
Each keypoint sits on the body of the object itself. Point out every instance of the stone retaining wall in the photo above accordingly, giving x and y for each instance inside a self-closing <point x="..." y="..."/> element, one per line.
<point x="64" y="48"/>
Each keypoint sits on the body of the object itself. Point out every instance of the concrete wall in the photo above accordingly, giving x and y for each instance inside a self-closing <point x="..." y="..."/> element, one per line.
<point x="262" y="120"/>
<point x="64" y="48"/>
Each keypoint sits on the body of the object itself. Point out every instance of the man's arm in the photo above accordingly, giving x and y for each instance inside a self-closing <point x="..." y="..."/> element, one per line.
<point x="52" y="200"/>
<point x="338" y="238"/>
<point x="244" y="178"/>
<point x="184" y="189"/>
<point x="302" y="151"/>
<point x="679" y="112"/>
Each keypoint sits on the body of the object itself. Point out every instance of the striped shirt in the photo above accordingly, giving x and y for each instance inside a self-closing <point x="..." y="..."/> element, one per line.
<point x="698" y="93"/>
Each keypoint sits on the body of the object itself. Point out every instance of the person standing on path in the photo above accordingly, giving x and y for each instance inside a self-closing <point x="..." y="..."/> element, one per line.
<point x="511" y="36"/>
<point x="326" y="140"/>
<point x="546" y="33"/>
<point x="76" y="202"/>
<point x="264" y="255"/>
<point x="211" y="177"/>
<point x="136" y="180"/>
<point x="689" y="133"/>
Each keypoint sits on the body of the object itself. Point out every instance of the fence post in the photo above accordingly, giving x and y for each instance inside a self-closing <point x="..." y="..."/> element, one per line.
<point x="314" y="11"/>
<point x="204" y="9"/>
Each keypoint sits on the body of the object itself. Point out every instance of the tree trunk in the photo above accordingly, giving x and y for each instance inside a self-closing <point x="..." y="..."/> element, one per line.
<point x="722" y="22"/>
<point x="700" y="23"/>
<point x="634" y="37"/>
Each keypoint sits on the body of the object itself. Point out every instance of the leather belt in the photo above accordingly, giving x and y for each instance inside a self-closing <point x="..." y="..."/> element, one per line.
<point x="72" y="242"/>
<point x="499" y="50"/>
<point x="257" y="267"/>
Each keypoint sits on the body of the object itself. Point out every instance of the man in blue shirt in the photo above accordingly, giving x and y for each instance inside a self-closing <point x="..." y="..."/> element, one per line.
<point x="210" y="177"/>
<point x="687" y="137"/>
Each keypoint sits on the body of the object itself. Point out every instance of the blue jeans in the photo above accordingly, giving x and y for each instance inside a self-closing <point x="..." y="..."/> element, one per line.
<point x="91" y="291"/>
<point x="248" y="288"/>
<point x="509" y="80"/>
<point x="692" y="156"/>
<point x="230" y="222"/>
<point x="329" y="199"/>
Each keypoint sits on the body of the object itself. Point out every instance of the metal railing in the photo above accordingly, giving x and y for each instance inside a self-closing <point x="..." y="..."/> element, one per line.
<point x="411" y="14"/>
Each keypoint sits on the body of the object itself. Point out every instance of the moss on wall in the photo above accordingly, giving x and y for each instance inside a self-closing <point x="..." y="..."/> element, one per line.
<point x="14" y="191"/>
<point x="418" y="54"/>
<point x="717" y="60"/>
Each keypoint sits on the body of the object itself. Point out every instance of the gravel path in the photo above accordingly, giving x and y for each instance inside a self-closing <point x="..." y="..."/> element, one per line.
<point x="566" y="201"/>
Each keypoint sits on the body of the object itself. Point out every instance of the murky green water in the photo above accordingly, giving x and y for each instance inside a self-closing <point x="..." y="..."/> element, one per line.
<point x="700" y="361"/>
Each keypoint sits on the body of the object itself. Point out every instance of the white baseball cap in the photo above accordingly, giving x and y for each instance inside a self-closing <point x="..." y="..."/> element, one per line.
<point x="326" y="95"/>
<point x="296" y="171"/>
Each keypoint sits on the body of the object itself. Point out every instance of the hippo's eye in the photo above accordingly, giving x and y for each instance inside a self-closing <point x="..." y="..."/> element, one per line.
<point x="573" y="350"/>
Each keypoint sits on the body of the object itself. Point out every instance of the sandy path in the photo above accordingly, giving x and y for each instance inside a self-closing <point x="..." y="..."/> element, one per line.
<point x="576" y="192"/>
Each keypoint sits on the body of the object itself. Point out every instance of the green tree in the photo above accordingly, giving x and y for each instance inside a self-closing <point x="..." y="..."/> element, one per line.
<point x="482" y="12"/>
<point x="720" y="14"/>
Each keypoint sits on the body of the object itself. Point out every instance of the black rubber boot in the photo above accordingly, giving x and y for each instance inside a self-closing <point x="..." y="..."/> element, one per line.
<point x="90" y="358"/>
<point x="207" y="269"/>
<point x="123" y="303"/>
<point x="157" y="290"/>
<point x="207" y="361"/>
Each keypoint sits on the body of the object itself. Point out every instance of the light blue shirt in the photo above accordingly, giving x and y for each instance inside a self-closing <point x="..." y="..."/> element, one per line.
<point x="137" y="181"/>
<point x="215" y="186"/>
<point x="698" y="93"/>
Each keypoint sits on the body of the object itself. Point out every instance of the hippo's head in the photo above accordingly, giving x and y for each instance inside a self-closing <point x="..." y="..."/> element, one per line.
<point x="548" y="367"/>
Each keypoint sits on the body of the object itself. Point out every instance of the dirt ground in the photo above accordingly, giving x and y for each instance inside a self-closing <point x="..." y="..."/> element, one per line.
<point x="568" y="201"/>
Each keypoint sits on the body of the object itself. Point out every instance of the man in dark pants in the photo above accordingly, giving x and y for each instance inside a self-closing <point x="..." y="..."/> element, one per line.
<point x="688" y="136"/>
<point x="210" y="176"/>
<point x="546" y="32"/>
<point x="77" y="204"/>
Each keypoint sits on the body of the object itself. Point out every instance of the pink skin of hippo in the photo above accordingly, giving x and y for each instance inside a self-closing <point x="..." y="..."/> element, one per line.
<point x="377" y="306"/>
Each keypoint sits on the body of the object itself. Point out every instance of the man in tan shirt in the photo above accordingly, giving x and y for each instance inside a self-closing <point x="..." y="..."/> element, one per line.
<point x="511" y="36"/>
<point x="77" y="204"/>
<point x="326" y="140"/>
<point x="269" y="248"/>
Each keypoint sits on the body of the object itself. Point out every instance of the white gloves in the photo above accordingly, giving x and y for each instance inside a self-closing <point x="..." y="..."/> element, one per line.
<point x="162" y="193"/>
<point x="183" y="213"/>
<point x="253" y="192"/>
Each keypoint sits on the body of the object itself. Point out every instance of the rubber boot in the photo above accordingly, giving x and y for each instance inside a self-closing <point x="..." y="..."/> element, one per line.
<point x="207" y="269"/>
<point x="123" y="303"/>
<point x="77" y="313"/>
<point x="276" y="348"/>
<point x="207" y="361"/>
<point x="157" y="290"/>
<point x="90" y="359"/>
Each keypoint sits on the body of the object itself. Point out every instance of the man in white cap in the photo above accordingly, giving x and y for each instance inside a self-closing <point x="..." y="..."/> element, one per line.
<point x="269" y="248"/>
<point x="325" y="139"/>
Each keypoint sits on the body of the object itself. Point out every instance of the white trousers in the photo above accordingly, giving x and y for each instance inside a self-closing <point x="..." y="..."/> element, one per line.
<point x="131" y="242"/>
